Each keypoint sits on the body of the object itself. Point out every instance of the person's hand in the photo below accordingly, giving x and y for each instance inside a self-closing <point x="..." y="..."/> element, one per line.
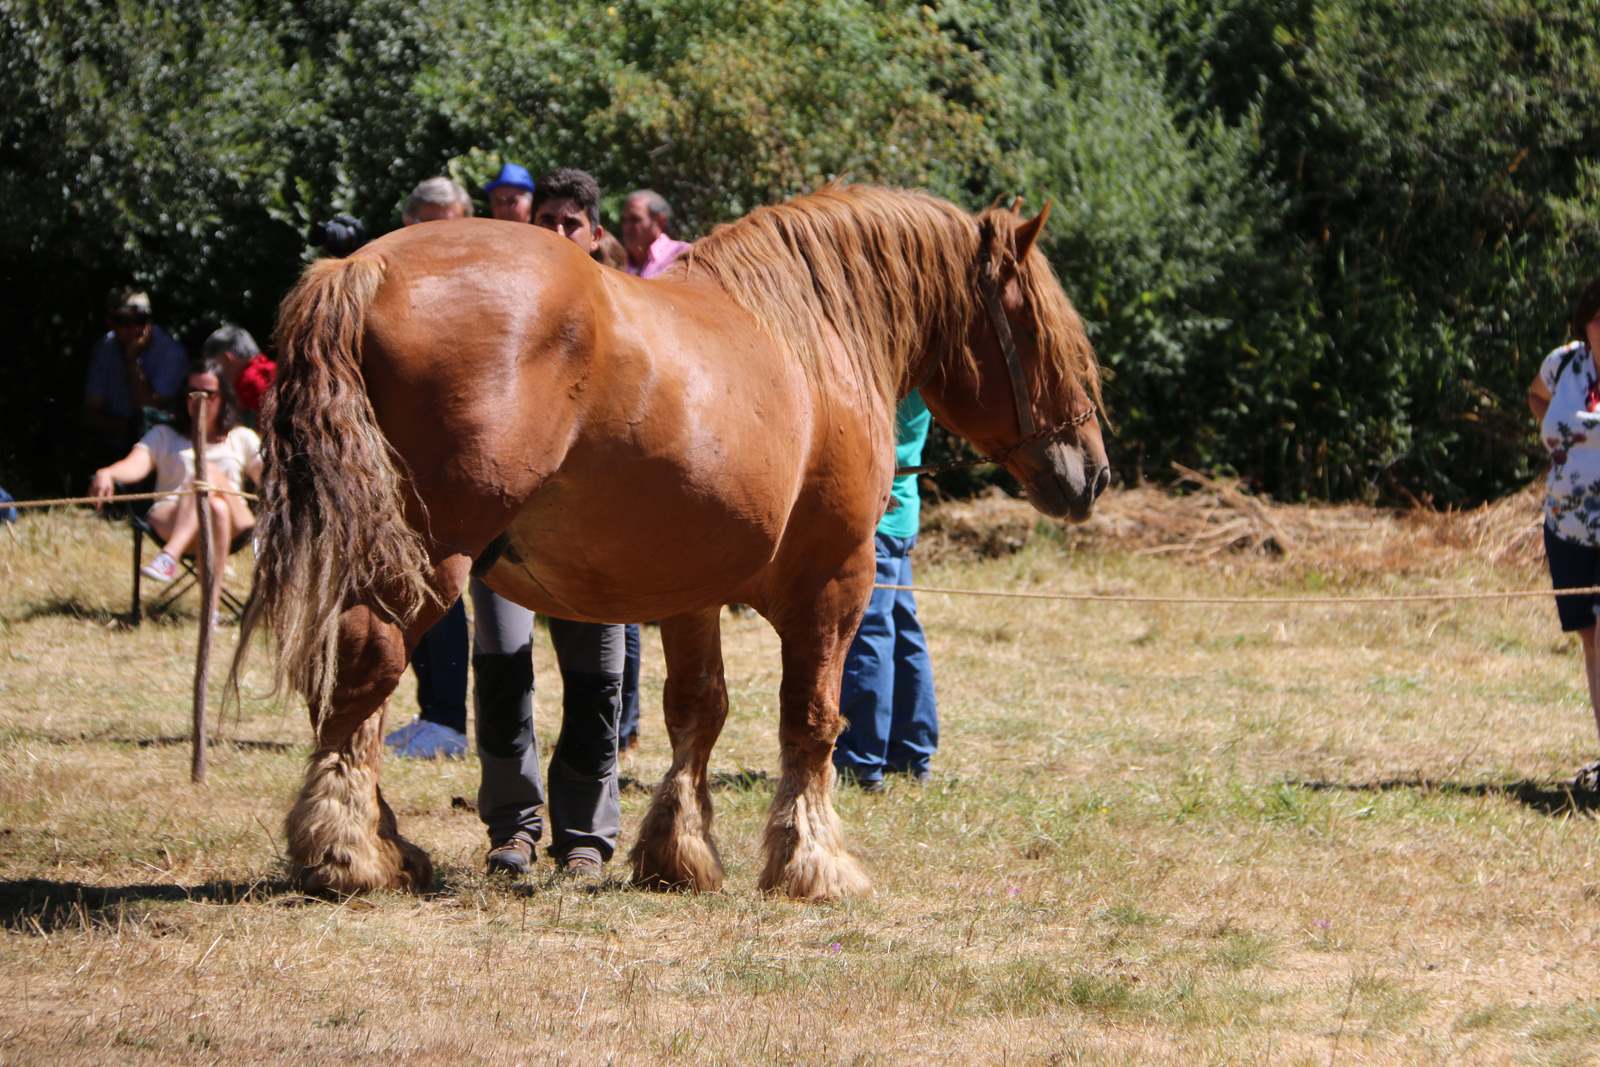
<point x="101" y="487"/>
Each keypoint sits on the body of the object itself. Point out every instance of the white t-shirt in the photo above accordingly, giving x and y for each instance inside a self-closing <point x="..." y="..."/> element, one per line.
<point x="174" y="456"/>
<point x="1571" y="433"/>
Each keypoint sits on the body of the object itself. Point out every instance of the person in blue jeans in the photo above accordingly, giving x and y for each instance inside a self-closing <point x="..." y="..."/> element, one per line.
<point x="440" y="658"/>
<point x="887" y="698"/>
<point x="628" y="729"/>
<point x="440" y="663"/>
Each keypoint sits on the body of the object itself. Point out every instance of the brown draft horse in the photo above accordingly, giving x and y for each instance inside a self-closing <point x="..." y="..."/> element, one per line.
<point x="601" y="448"/>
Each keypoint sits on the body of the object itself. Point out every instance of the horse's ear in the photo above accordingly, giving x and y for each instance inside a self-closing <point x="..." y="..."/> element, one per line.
<point x="1026" y="234"/>
<point x="1016" y="205"/>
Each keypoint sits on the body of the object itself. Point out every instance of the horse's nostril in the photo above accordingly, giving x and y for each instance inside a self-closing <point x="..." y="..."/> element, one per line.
<point x="1102" y="479"/>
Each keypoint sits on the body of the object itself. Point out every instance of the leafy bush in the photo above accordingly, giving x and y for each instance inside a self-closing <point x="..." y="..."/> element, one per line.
<point x="1320" y="243"/>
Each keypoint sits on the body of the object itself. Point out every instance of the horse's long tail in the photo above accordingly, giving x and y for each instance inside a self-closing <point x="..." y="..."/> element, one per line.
<point x="332" y="530"/>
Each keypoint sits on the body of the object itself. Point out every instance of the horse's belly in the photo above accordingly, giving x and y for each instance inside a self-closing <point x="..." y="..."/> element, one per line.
<point x="631" y="553"/>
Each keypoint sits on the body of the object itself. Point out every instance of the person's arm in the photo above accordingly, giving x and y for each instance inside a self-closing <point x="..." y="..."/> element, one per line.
<point x="133" y="467"/>
<point x="249" y="451"/>
<point x="1538" y="398"/>
<point x="95" y="416"/>
<point x="140" y="391"/>
<point x="168" y="368"/>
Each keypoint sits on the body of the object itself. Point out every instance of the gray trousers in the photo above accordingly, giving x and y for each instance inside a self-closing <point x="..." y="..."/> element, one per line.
<point x="583" y="802"/>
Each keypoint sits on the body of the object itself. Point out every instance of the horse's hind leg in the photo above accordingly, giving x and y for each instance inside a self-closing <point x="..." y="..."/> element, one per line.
<point x="342" y="835"/>
<point x="675" y="849"/>
<point x="805" y="853"/>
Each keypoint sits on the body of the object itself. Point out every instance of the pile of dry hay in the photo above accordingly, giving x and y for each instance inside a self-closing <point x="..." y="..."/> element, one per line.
<point x="1206" y="518"/>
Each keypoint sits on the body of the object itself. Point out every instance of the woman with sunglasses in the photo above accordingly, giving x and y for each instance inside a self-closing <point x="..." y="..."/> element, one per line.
<point x="233" y="454"/>
<point x="1565" y="398"/>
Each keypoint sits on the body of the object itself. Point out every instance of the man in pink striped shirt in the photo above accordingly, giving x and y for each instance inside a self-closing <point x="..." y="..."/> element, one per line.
<point x="645" y="219"/>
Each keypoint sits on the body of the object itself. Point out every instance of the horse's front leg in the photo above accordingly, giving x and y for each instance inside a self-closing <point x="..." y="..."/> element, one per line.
<point x="342" y="835"/>
<point x="674" y="849"/>
<point x="806" y="857"/>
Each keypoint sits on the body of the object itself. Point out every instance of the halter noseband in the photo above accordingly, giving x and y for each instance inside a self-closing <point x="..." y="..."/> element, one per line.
<point x="1019" y="392"/>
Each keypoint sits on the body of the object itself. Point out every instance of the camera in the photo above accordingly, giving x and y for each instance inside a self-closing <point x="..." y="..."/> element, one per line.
<point x="339" y="236"/>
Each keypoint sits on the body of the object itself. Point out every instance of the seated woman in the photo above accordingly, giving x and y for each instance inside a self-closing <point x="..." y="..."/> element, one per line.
<point x="233" y="453"/>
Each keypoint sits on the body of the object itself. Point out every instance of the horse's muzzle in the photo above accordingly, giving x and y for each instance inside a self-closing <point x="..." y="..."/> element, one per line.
<point x="1058" y="481"/>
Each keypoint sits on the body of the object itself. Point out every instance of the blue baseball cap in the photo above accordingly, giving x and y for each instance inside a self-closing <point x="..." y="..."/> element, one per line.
<point x="514" y="175"/>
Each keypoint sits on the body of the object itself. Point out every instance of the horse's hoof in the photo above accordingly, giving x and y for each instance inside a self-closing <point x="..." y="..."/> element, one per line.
<point x="692" y="869"/>
<point x="334" y="880"/>
<point x="416" y="869"/>
<point x="394" y="864"/>
<point x="817" y="876"/>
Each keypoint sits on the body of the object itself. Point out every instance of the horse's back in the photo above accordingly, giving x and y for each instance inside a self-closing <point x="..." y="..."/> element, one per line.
<point x="682" y="479"/>
<point x="641" y="444"/>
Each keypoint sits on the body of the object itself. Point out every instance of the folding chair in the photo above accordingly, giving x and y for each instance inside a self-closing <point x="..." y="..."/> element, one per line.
<point x="188" y="578"/>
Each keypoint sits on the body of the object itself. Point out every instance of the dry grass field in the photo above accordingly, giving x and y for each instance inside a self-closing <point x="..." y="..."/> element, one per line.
<point x="1174" y="834"/>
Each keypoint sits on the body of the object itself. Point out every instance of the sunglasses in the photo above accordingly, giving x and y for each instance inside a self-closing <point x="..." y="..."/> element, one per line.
<point x="126" y="318"/>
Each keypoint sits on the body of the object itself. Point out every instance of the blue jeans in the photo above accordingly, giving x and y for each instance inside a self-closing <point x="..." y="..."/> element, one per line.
<point x="887" y="694"/>
<point x="630" y="685"/>
<point x="440" y="661"/>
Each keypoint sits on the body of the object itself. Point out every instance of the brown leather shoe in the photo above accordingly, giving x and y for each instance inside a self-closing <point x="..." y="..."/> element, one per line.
<point x="582" y="862"/>
<point x="512" y="857"/>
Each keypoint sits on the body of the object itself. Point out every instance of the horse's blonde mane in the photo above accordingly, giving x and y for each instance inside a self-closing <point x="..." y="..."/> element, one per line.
<point x="894" y="272"/>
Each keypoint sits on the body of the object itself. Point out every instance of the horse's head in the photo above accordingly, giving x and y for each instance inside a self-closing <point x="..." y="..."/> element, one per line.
<point x="1035" y="405"/>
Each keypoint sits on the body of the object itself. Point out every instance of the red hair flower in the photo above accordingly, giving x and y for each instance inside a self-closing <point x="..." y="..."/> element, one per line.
<point x="254" y="381"/>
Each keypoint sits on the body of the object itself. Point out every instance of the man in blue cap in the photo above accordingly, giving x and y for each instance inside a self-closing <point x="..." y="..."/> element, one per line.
<point x="511" y="194"/>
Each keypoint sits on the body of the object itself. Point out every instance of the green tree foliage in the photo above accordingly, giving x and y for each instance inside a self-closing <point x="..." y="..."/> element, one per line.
<point x="1433" y="222"/>
<point x="1321" y="243"/>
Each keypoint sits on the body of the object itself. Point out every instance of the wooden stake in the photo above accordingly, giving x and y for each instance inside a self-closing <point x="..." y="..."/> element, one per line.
<point x="202" y="659"/>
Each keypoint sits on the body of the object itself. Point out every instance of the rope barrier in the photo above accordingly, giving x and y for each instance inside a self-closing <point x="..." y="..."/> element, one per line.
<point x="125" y="498"/>
<point x="1283" y="601"/>
<point x="1091" y="598"/>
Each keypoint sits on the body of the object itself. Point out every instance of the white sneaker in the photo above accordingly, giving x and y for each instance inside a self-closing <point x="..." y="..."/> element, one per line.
<point x="433" y="741"/>
<point x="163" y="568"/>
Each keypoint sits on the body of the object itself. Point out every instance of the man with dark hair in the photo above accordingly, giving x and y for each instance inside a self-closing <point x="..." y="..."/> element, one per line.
<point x="646" y="218"/>
<point x="567" y="201"/>
<point x="584" y="806"/>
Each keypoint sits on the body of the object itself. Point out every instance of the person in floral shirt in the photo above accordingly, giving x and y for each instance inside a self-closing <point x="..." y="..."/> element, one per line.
<point x="1565" y="398"/>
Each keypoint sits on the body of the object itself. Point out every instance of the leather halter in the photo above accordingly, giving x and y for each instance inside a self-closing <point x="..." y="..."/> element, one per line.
<point x="1026" y="430"/>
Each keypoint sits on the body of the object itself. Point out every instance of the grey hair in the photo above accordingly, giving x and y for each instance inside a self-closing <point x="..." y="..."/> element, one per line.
<point x="440" y="191"/>
<point x="654" y="203"/>
<point x="230" y="338"/>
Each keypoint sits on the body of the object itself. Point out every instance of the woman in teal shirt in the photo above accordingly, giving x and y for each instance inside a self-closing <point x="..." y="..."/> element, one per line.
<point x="887" y="697"/>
